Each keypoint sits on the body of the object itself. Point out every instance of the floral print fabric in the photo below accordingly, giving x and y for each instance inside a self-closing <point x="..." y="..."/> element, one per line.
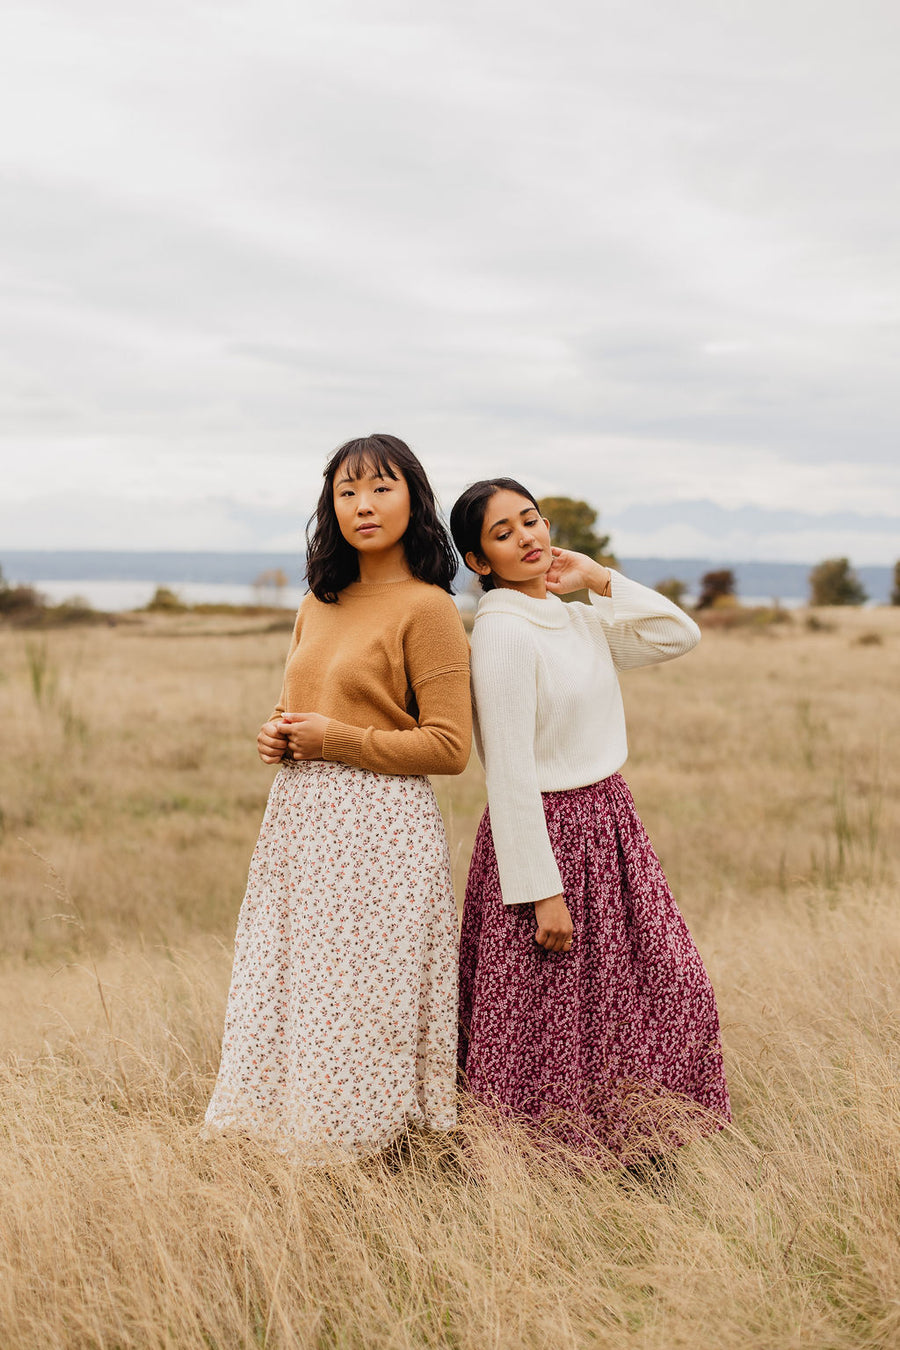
<point x="613" y="1048"/>
<point x="341" y="1018"/>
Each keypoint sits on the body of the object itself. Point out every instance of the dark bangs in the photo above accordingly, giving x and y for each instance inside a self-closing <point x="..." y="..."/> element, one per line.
<point x="332" y="563"/>
<point x="365" y="453"/>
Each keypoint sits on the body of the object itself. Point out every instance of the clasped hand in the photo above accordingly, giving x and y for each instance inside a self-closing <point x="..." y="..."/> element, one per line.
<point x="292" y="736"/>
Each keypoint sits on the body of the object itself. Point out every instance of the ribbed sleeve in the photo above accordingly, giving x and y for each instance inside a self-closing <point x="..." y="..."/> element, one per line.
<point x="642" y="627"/>
<point x="504" y="681"/>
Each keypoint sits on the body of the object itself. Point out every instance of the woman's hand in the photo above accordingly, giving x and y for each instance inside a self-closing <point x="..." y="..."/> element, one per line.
<point x="554" y="924"/>
<point x="271" y="743"/>
<point x="576" y="572"/>
<point x="305" y="734"/>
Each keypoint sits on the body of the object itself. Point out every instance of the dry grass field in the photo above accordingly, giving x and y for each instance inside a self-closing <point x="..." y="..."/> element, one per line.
<point x="766" y="768"/>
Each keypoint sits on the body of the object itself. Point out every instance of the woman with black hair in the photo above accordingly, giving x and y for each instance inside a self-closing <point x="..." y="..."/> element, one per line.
<point x="341" y="1020"/>
<point x="585" y="1008"/>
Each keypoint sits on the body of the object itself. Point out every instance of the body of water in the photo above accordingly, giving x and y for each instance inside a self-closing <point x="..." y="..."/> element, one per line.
<point x="121" y="581"/>
<point x="117" y="596"/>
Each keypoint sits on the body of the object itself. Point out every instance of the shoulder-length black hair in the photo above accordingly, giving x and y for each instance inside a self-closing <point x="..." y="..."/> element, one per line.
<point x="467" y="517"/>
<point x="332" y="563"/>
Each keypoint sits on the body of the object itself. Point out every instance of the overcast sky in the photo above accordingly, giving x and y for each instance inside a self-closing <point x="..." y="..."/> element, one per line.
<point x="644" y="253"/>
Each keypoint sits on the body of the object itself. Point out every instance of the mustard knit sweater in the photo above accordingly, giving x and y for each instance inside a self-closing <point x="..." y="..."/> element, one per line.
<point x="388" y="665"/>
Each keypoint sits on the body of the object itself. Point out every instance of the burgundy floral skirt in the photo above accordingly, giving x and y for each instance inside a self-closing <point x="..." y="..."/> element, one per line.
<point x="613" y="1047"/>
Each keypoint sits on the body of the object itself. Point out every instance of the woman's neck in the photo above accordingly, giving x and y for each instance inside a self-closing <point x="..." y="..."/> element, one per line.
<point x="391" y="565"/>
<point x="536" y="588"/>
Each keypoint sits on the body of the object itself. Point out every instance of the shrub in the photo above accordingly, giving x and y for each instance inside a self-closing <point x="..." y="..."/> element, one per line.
<point x="833" y="582"/>
<point x="76" y="610"/>
<point x="17" y="602"/>
<point x="165" y="601"/>
<point x="673" y="589"/>
<point x="726" y="614"/>
<point x="895" y="593"/>
<point x="716" y="587"/>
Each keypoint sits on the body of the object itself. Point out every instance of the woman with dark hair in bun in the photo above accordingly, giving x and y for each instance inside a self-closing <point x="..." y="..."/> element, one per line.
<point x="585" y="1008"/>
<point x="341" y="1020"/>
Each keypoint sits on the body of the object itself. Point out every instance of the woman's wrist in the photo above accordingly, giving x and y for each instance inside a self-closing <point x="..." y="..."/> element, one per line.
<point x="599" y="580"/>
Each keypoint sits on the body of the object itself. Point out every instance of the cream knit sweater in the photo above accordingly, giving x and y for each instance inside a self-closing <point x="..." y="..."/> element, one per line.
<point x="548" y="709"/>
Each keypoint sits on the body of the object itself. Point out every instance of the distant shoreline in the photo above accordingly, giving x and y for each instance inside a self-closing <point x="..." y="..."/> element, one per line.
<point x="786" y="582"/>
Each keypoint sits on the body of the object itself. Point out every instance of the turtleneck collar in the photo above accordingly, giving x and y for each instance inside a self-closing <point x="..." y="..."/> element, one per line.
<point x="548" y="613"/>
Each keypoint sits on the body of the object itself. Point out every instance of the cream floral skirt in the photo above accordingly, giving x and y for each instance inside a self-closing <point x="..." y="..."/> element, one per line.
<point x="341" y="1020"/>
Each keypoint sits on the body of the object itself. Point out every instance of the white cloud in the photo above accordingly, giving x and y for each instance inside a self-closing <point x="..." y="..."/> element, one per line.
<point x="704" y="529"/>
<point x="636" y="252"/>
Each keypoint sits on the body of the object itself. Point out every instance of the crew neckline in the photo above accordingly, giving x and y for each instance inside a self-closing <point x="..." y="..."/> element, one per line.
<point x="374" y="587"/>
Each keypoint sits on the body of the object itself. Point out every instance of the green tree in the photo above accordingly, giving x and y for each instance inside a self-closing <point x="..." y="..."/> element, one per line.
<point x="895" y="593"/>
<point x="572" y="526"/>
<point x="716" y="587"/>
<point x="833" y="582"/>
<point x="673" y="588"/>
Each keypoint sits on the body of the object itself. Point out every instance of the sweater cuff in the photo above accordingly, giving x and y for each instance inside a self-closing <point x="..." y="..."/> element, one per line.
<point x="343" y="742"/>
<point x="629" y="600"/>
<point x="529" y="890"/>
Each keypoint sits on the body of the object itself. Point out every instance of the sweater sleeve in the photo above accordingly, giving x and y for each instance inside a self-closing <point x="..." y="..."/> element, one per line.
<point x="641" y="626"/>
<point x="295" y="639"/>
<point x="436" y="655"/>
<point x="504" y="680"/>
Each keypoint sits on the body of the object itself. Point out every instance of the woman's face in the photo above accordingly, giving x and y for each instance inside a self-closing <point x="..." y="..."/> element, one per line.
<point x="515" y="540"/>
<point x="372" y="511"/>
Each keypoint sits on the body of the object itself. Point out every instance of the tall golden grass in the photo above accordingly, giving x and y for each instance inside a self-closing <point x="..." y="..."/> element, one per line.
<point x="766" y="768"/>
